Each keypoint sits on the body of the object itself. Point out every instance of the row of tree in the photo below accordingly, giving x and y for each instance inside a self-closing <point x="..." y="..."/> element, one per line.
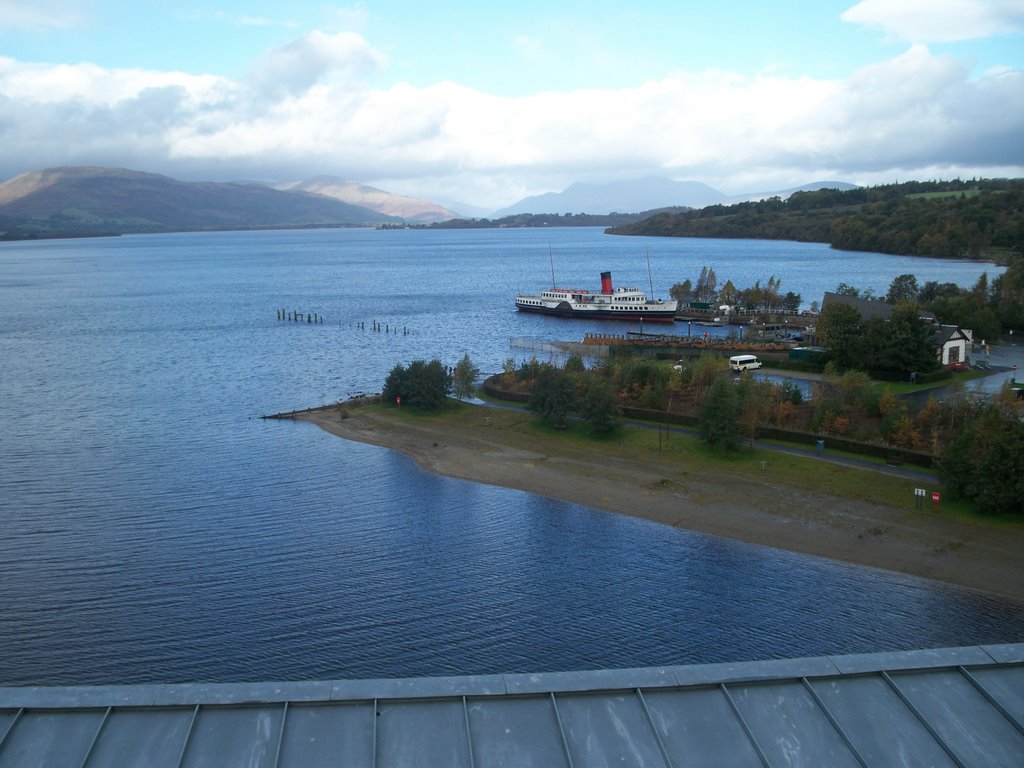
<point x="980" y="446"/>
<point x="757" y="297"/>
<point x="988" y="307"/>
<point x="538" y="220"/>
<point x="950" y="219"/>
<point x="426" y="386"/>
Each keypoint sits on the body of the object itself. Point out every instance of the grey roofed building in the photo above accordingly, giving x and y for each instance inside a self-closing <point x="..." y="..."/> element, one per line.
<point x="955" y="707"/>
<point x="869" y="308"/>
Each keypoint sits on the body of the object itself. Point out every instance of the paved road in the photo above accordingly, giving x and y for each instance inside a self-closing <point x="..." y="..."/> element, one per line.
<point x="1001" y="358"/>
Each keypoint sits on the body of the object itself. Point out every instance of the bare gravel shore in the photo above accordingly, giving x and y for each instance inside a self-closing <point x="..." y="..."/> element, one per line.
<point x="972" y="553"/>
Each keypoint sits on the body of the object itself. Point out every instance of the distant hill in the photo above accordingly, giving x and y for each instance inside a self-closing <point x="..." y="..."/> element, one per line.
<point x="644" y="194"/>
<point x="86" y="200"/>
<point x="409" y="209"/>
<point x="946" y="219"/>
<point x="527" y="220"/>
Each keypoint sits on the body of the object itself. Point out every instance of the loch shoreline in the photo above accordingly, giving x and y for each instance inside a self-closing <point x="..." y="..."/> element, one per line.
<point x="480" y="447"/>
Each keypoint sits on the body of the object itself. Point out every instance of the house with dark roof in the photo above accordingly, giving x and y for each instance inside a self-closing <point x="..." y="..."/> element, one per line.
<point x="870" y="308"/>
<point x="952" y="342"/>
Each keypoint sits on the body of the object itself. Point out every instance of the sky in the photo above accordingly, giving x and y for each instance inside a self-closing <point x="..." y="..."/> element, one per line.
<point x="487" y="103"/>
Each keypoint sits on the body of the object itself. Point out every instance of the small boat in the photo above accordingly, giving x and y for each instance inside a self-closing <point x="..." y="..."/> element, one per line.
<point x="607" y="304"/>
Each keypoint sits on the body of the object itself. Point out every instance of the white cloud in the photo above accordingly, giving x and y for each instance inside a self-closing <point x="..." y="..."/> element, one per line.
<point x="926" y="21"/>
<point x="314" y="58"/>
<point x="309" y="109"/>
<point x="40" y="14"/>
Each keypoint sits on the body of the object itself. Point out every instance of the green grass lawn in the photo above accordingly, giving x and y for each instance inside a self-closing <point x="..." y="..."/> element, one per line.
<point x="682" y="452"/>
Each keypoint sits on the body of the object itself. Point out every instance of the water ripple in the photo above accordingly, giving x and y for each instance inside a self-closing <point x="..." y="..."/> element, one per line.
<point x="156" y="530"/>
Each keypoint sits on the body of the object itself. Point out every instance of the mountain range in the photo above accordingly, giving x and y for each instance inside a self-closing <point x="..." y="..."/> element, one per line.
<point x="643" y="194"/>
<point x="87" y="200"/>
<point x="408" y="209"/>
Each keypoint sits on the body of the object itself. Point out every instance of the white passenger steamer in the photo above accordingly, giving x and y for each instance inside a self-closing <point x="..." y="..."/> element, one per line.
<point x="607" y="304"/>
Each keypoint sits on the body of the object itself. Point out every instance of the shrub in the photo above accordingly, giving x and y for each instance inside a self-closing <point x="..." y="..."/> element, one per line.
<point x="598" y="407"/>
<point x="719" y="415"/>
<point x="421" y="385"/>
<point x="553" y="396"/>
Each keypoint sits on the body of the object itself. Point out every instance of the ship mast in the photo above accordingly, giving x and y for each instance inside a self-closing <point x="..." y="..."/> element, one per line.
<point x="551" y="258"/>
<point x="649" y="279"/>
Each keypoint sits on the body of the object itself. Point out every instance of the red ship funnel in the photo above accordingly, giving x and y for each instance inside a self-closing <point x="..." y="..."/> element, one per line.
<point x="606" y="282"/>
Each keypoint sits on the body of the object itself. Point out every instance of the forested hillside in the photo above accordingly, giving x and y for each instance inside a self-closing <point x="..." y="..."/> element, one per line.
<point x="946" y="219"/>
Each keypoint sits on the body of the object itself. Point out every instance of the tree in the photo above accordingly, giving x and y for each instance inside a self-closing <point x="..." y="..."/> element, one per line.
<point x="682" y="292"/>
<point x="394" y="384"/>
<point x="984" y="461"/>
<point x="465" y="377"/>
<point x="642" y="382"/>
<point x="598" y="406"/>
<point x="729" y="293"/>
<point x="707" y="285"/>
<point x="772" y="298"/>
<point x="553" y="395"/>
<point x="755" y="405"/>
<point x="719" y="415"/>
<point x="902" y="288"/>
<point x="574" y="363"/>
<point x="421" y="385"/>
<point x="791" y="302"/>
<point x="703" y="371"/>
<point x="508" y="371"/>
<point x="907" y="344"/>
<point x="872" y="350"/>
<point x="935" y="290"/>
<point x="839" y="328"/>
<point x="1008" y="295"/>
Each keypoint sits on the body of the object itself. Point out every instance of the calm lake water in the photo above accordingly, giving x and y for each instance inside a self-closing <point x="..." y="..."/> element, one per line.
<point x="155" y="529"/>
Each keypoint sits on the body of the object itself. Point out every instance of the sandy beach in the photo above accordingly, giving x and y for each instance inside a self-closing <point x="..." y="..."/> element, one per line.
<point x="971" y="553"/>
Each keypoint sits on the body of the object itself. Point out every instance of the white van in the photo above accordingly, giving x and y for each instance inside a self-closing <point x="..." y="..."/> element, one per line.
<point x="744" y="362"/>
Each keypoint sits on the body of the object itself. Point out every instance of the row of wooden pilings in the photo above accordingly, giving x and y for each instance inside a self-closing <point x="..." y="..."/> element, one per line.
<point x="299" y="317"/>
<point x="314" y="318"/>
<point x="383" y="327"/>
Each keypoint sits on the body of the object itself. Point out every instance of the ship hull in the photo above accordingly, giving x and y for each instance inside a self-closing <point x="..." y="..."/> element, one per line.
<point x="565" y="309"/>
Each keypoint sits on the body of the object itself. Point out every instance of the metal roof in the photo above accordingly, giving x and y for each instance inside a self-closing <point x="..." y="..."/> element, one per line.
<point x="955" y="707"/>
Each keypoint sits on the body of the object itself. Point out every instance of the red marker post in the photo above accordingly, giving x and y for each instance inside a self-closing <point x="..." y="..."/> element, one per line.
<point x="936" y="498"/>
<point x="398" y="400"/>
